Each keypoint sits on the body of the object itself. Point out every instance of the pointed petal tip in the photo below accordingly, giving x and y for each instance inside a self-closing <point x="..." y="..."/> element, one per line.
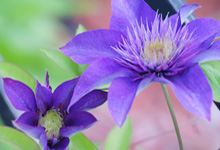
<point x="5" y="79"/>
<point x="121" y="95"/>
<point x="47" y="83"/>
<point x="37" y="82"/>
<point x="191" y="7"/>
<point x="195" y="98"/>
<point x="208" y="117"/>
<point x="120" y="123"/>
<point x="118" y="120"/>
<point x="44" y="97"/>
<point x="63" y="49"/>
<point x="90" y="101"/>
<point x="186" y="10"/>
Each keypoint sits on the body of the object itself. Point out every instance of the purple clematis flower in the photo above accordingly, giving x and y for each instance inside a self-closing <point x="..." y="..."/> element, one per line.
<point x="48" y="116"/>
<point x="140" y="48"/>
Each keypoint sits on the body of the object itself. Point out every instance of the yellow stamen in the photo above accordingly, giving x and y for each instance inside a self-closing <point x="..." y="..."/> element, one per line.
<point x="158" y="49"/>
<point x="52" y="121"/>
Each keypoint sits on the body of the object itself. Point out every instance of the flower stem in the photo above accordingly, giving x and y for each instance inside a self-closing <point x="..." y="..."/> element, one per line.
<point x="165" y="91"/>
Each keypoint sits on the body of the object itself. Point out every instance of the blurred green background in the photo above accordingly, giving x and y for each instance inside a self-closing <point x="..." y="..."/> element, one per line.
<point x="28" y="25"/>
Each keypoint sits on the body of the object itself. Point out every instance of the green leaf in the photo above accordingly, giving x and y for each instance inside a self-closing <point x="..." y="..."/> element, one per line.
<point x="119" y="138"/>
<point x="212" y="71"/>
<point x="15" y="72"/>
<point x="82" y="68"/>
<point x="80" y="29"/>
<point x="81" y="142"/>
<point x="10" y="137"/>
<point x="8" y="146"/>
<point x="64" y="62"/>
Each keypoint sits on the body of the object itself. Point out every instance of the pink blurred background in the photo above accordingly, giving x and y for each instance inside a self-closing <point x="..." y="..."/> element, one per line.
<point x="152" y="124"/>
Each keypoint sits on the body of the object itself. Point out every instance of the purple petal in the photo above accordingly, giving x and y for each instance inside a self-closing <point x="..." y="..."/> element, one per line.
<point x="20" y="95"/>
<point x="120" y="98"/>
<point x="175" y="21"/>
<point x="62" y="144"/>
<point x="63" y="94"/>
<point x="182" y="15"/>
<point x="28" y="122"/>
<point x="53" y="141"/>
<point x="146" y="82"/>
<point x="44" y="97"/>
<point x="193" y="91"/>
<point x="43" y="142"/>
<point x="47" y="83"/>
<point x="204" y="30"/>
<point x="89" y="101"/>
<point x="98" y="74"/>
<point x="77" y="121"/>
<point x="186" y="10"/>
<point x="127" y="12"/>
<point x="210" y="54"/>
<point x="88" y="47"/>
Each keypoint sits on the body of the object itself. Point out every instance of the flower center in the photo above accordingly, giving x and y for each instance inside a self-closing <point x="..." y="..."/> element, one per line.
<point x="155" y="47"/>
<point x="157" y="50"/>
<point x="52" y="121"/>
<point x="160" y="48"/>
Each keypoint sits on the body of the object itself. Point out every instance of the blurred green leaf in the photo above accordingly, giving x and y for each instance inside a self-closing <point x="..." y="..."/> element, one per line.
<point x="212" y="71"/>
<point x="29" y="24"/>
<point x="16" y="139"/>
<point x="5" y="145"/>
<point x="80" y="29"/>
<point x="119" y="138"/>
<point x="81" y="142"/>
<point x="82" y="68"/>
<point x="64" y="62"/>
<point x="105" y="87"/>
<point x="13" y="71"/>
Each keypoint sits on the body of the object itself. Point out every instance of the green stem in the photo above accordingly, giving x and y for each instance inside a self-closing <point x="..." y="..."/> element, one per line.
<point x="173" y="115"/>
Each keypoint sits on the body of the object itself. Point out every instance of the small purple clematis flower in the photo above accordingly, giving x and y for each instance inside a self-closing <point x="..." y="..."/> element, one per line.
<point x="139" y="48"/>
<point x="48" y="116"/>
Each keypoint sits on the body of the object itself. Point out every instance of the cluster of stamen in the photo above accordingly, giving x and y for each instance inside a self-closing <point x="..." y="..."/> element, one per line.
<point x="160" y="48"/>
<point x="157" y="50"/>
<point x="52" y="122"/>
